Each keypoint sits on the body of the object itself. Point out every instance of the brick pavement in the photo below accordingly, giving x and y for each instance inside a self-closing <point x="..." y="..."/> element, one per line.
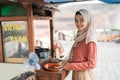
<point x="108" y="65"/>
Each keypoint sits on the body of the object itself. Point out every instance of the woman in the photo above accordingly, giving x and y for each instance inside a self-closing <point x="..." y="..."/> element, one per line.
<point x="58" y="48"/>
<point x="82" y="58"/>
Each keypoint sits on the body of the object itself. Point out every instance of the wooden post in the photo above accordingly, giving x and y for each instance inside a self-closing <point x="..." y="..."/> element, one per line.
<point x="30" y="28"/>
<point x="52" y="38"/>
<point x="1" y="46"/>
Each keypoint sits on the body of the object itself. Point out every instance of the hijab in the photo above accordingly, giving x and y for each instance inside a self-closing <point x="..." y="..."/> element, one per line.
<point x="87" y="33"/>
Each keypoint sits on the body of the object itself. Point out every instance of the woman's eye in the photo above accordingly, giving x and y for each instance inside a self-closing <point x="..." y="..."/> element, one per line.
<point x="82" y="20"/>
<point x="76" y="20"/>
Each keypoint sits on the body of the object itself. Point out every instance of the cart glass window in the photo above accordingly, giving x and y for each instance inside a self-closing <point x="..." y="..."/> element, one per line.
<point x="15" y="40"/>
<point x="42" y="33"/>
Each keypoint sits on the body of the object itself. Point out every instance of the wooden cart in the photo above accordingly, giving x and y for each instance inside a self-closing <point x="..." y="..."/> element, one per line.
<point x="29" y="10"/>
<point x="47" y="75"/>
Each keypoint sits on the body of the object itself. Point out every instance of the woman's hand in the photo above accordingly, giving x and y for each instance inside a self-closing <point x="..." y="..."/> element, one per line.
<point x="64" y="64"/>
<point x="59" y="47"/>
<point x="64" y="67"/>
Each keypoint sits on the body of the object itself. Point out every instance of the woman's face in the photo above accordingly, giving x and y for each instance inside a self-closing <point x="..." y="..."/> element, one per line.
<point x="80" y="22"/>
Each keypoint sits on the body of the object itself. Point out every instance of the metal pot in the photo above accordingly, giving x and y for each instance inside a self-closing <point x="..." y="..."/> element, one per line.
<point x="43" y="55"/>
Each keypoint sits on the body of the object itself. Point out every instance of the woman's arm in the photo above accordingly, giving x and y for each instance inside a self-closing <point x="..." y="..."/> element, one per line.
<point x="89" y="64"/>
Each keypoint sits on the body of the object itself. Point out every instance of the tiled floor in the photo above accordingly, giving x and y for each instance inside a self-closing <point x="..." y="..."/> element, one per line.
<point x="108" y="65"/>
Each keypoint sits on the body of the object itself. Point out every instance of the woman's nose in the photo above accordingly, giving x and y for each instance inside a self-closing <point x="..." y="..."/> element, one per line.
<point x="79" y="23"/>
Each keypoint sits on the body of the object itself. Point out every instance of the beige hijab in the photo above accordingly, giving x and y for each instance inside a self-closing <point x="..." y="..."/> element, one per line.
<point x="87" y="32"/>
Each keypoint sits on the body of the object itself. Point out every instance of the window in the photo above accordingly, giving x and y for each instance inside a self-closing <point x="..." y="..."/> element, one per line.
<point x="42" y="33"/>
<point x="15" y="40"/>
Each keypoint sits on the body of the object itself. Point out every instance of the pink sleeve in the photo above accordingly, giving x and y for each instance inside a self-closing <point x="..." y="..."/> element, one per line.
<point x="89" y="64"/>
